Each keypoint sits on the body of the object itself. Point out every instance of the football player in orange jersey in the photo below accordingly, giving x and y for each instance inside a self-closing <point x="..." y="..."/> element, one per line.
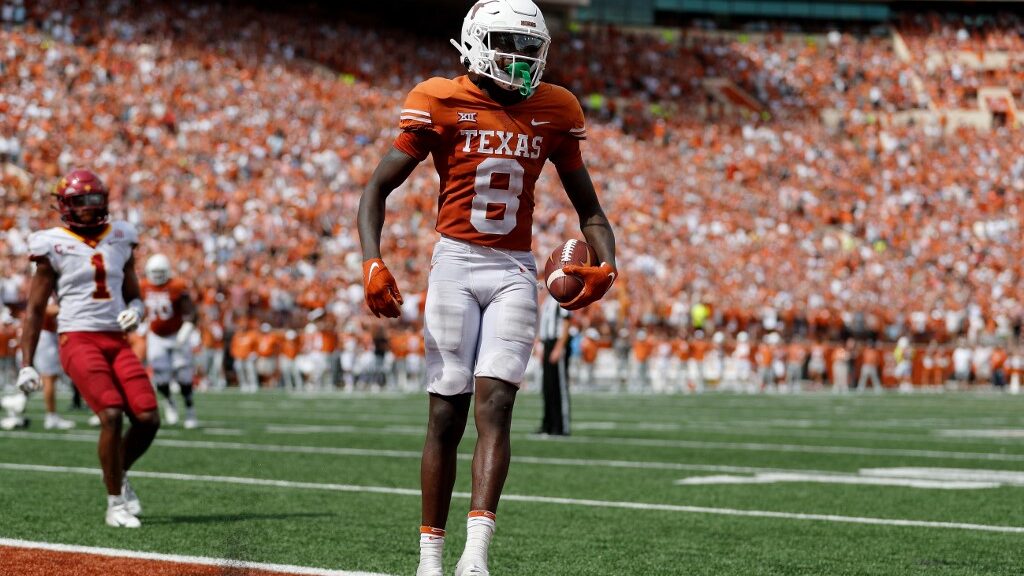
<point x="172" y="323"/>
<point x="490" y="133"/>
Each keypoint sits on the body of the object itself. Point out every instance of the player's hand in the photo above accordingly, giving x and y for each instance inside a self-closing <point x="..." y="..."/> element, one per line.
<point x="185" y="334"/>
<point x="596" y="282"/>
<point x="130" y="318"/>
<point x="381" y="290"/>
<point x="28" y="380"/>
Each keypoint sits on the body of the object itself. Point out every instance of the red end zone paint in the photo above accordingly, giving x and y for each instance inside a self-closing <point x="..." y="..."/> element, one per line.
<point x="27" y="558"/>
<point x="26" y="562"/>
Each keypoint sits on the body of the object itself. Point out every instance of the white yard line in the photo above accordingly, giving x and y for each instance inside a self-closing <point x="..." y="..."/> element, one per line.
<point x="645" y="506"/>
<point x="650" y="442"/>
<point x="226" y="563"/>
<point x="783" y="477"/>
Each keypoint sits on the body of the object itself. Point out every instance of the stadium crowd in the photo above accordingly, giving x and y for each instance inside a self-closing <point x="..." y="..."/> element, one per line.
<point x="239" y="141"/>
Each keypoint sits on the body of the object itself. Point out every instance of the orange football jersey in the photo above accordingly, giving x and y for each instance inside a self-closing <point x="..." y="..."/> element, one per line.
<point x="489" y="156"/>
<point x="164" y="305"/>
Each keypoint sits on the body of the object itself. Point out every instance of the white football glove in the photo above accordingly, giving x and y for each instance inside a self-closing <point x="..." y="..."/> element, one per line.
<point x="185" y="334"/>
<point x="130" y="318"/>
<point x="28" y="380"/>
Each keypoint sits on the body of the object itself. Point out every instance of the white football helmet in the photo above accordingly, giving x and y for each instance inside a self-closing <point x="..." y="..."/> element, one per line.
<point x="506" y="41"/>
<point x="158" y="269"/>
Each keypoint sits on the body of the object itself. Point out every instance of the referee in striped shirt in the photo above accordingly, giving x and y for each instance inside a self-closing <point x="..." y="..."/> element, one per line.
<point x="554" y="336"/>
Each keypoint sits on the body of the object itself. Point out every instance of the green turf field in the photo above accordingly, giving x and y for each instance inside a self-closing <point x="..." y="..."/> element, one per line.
<point x="647" y="485"/>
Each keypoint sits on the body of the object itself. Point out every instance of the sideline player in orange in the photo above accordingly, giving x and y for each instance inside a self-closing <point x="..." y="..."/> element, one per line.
<point x="90" y="264"/>
<point x="490" y="133"/>
<point x="172" y="322"/>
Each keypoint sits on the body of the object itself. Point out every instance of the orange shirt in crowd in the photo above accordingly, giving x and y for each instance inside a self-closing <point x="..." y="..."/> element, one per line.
<point x="999" y="357"/>
<point x="642" y="349"/>
<point x="290" y="347"/>
<point x="244" y="343"/>
<point x="588" y="350"/>
<point x="871" y="357"/>
<point x="267" y="345"/>
<point x="212" y="334"/>
<point x="399" y="344"/>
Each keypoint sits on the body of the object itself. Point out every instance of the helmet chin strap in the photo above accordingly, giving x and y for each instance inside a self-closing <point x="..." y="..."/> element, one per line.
<point x="521" y="70"/>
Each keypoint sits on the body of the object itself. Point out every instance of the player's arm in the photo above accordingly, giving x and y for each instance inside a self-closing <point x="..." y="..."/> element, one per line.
<point x="41" y="286"/>
<point x="44" y="279"/>
<point x="593" y="222"/>
<point x="598" y="232"/>
<point x="130" y="318"/>
<point x="392" y="171"/>
<point x="190" y="316"/>
<point x="381" y="290"/>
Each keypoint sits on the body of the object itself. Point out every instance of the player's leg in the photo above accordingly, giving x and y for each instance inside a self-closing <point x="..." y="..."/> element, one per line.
<point x="493" y="414"/>
<point x="451" y="331"/>
<point x="159" y="351"/>
<point x="183" y="365"/>
<point x="508" y="328"/>
<point x="142" y="412"/>
<point x="86" y="359"/>
<point x="47" y="362"/>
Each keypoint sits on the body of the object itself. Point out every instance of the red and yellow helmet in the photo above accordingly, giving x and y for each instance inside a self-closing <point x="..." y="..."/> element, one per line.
<point x="82" y="199"/>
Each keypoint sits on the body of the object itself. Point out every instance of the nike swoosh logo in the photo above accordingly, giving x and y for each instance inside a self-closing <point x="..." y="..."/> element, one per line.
<point x="535" y="123"/>
<point x="373" y="268"/>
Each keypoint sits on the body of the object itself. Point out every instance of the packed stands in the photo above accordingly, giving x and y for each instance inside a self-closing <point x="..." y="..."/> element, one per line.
<point x="239" y="140"/>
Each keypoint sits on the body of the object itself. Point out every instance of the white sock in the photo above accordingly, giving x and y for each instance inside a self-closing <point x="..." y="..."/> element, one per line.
<point x="114" y="500"/>
<point x="431" y="549"/>
<point x="479" y="530"/>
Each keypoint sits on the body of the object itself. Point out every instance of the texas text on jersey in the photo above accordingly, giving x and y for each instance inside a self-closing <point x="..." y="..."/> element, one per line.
<point x="90" y="273"/>
<point x="489" y="156"/>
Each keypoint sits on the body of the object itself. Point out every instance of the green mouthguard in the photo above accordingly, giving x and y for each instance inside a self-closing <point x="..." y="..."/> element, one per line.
<point x="521" y="70"/>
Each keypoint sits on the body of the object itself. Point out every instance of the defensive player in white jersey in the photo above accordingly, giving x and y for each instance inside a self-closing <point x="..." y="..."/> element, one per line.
<point x="172" y="324"/>
<point x="90" y="265"/>
<point x="490" y="134"/>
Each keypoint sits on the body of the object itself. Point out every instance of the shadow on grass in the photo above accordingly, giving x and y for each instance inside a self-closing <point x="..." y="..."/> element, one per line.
<point x="223" y="518"/>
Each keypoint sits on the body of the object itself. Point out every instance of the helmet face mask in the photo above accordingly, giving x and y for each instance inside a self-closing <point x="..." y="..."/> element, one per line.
<point x="82" y="200"/>
<point x="506" y="41"/>
<point x="158" y="270"/>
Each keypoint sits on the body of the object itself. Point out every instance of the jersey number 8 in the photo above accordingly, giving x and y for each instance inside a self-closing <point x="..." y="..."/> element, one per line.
<point x="487" y="196"/>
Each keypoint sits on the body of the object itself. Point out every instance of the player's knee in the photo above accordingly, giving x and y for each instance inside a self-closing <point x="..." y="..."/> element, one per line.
<point x="498" y="403"/>
<point x="451" y="380"/>
<point x="110" y="417"/>
<point x="503" y="365"/>
<point x="149" y="419"/>
<point x="447" y="420"/>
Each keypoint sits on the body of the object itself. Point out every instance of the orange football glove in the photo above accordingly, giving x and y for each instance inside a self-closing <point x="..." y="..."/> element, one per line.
<point x="596" y="282"/>
<point x="381" y="290"/>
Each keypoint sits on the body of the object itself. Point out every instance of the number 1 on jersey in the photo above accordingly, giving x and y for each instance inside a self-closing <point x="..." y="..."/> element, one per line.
<point x="101" y="292"/>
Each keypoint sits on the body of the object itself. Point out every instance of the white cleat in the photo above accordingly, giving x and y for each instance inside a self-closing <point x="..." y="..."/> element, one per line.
<point x="471" y="570"/>
<point x="55" y="422"/>
<point x="170" y="415"/>
<point x="119" y="517"/>
<point x="421" y="571"/>
<point x="131" y="500"/>
<point x="14" y="403"/>
<point x="191" y="422"/>
<point x="13" y="423"/>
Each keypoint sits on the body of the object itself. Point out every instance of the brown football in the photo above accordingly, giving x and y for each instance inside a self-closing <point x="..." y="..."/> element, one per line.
<point x="564" y="287"/>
